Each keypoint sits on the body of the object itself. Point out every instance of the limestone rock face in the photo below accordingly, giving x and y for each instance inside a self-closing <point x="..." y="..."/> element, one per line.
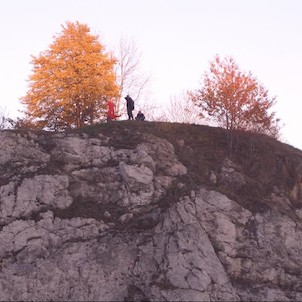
<point x="82" y="220"/>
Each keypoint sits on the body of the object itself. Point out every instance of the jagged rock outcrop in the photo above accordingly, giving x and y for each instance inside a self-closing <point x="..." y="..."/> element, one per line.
<point x="82" y="219"/>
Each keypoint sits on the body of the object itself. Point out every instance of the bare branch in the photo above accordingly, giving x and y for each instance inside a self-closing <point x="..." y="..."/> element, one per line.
<point x="181" y="109"/>
<point x="130" y="78"/>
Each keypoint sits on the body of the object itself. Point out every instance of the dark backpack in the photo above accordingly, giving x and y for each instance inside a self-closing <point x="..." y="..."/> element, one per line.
<point x="132" y="104"/>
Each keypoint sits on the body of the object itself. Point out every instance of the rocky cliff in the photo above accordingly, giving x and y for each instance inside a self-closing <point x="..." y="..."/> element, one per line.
<point x="130" y="211"/>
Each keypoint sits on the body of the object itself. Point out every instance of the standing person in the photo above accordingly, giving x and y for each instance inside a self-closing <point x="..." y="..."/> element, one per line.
<point x="130" y="107"/>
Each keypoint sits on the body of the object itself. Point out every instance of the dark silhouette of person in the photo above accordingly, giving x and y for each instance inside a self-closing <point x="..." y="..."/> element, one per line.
<point x="130" y="107"/>
<point x="140" y="116"/>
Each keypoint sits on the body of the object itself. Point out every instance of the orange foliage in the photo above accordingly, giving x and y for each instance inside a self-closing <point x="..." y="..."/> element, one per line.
<point x="236" y="100"/>
<point x="71" y="81"/>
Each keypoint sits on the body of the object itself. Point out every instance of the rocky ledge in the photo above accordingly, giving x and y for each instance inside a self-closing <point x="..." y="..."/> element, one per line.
<point x="82" y="219"/>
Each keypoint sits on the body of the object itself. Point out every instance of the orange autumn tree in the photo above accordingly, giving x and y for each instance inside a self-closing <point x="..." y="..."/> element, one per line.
<point x="71" y="81"/>
<point x="236" y="100"/>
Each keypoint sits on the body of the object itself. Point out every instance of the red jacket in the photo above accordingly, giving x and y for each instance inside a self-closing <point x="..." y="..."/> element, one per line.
<point x="110" y="114"/>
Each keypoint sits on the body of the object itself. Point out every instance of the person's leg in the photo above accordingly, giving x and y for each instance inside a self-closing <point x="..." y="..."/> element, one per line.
<point x="129" y="113"/>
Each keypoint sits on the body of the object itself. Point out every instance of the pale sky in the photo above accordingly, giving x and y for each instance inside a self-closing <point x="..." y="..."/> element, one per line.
<point x="177" y="39"/>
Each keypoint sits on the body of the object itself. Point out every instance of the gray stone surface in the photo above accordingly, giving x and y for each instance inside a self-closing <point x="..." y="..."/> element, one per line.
<point x="83" y="221"/>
